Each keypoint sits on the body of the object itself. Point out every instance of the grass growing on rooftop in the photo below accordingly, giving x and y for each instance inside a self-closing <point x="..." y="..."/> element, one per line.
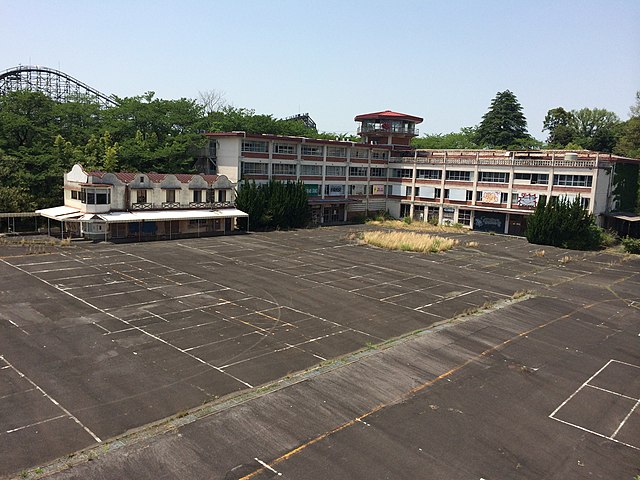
<point x="408" y="241"/>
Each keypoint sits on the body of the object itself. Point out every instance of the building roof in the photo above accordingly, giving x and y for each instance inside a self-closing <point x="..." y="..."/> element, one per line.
<point x="64" y="213"/>
<point x="129" y="177"/>
<point x="166" y="215"/>
<point x="388" y="114"/>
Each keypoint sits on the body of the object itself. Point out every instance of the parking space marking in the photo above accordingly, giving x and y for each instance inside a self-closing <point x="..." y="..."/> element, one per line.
<point x="155" y="337"/>
<point x="52" y="400"/>
<point x="586" y="384"/>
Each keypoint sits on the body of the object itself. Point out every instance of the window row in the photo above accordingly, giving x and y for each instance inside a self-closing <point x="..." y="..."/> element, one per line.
<point x="173" y="196"/>
<point x="573" y="180"/>
<point x="92" y="196"/>
<point x="285" y="148"/>
<point x="255" y="168"/>
<point x="533" y="178"/>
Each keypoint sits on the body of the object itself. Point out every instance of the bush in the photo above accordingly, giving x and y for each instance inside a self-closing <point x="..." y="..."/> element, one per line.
<point x="407" y="220"/>
<point x="631" y="245"/>
<point x="565" y="224"/>
<point x="609" y="238"/>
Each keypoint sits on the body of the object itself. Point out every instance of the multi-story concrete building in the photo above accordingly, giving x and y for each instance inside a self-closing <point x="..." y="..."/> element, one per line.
<point x="141" y="206"/>
<point x="491" y="190"/>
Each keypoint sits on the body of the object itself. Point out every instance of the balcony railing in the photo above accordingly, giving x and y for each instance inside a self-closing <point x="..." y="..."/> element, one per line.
<point x="142" y="206"/>
<point x="394" y="130"/>
<point x="184" y="206"/>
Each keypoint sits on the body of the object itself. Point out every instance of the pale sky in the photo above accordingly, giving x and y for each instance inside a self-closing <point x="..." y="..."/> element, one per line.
<point x="442" y="60"/>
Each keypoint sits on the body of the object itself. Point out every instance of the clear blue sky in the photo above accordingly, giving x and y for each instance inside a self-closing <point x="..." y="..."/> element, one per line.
<point x="441" y="60"/>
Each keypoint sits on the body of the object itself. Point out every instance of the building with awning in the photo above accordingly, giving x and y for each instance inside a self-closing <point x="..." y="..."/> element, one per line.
<point x="144" y="206"/>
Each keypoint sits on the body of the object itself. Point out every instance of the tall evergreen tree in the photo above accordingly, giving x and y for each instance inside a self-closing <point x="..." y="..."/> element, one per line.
<point x="504" y="125"/>
<point x="563" y="223"/>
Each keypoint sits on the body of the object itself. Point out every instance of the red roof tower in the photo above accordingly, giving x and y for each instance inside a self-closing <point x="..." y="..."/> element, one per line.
<point x="387" y="128"/>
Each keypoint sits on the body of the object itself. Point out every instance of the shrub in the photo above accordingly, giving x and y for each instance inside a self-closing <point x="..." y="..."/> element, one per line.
<point x="631" y="245"/>
<point x="407" y="220"/>
<point x="562" y="223"/>
<point x="609" y="238"/>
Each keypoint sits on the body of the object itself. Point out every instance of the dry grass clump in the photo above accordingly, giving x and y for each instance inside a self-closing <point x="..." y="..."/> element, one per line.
<point x="472" y="244"/>
<point x="539" y="253"/>
<point x="408" y="241"/>
<point x="416" y="226"/>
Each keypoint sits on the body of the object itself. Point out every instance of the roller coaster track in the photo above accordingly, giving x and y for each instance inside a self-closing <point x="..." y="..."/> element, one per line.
<point x="54" y="83"/>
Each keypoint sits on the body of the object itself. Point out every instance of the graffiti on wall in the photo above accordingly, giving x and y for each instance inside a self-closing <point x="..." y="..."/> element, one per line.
<point x="490" y="197"/>
<point x="527" y="200"/>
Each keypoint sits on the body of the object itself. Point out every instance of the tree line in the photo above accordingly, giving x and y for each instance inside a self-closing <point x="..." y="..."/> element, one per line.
<point x="504" y="126"/>
<point x="40" y="139"/>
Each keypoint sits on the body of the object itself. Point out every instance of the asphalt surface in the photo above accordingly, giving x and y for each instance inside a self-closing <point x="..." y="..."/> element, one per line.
<point x="97" y="340"/>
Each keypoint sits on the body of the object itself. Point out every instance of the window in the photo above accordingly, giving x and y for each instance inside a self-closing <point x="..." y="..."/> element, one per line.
<point x="464" y="217"/>
<point x="336" y="151"/>
<point x="283" y="169"/>
<point x="141" y="179"/>
<point x="141" y="196"/>
<point x="285" y="148"/>
<point x="357" y="189"/>
<point x="494" y="177"/>
<point x="359" y="153"/>
<point x="584" y="202"/>
<point x="313" y="150"/>
<point x="251" y="168"/>
<point x="378" y="172"/>
<point x="197" y="196"/>
<point x="357" y="171"/>
<point x="255" y="146"/>
<point x="311" y="170"/>
<point x="429" y="174"/>
<point x="74" y="195"/>
<point x="504" y="196"/>
<point x="469" y="195"/>
<point x="534" y="178"/>
<point x="102" y="197"/>
<point x="170" y="196"/>
<point x="376" y="155"/>
<point x="401" y="173"/>
<point x="334" y="190"/>
<point x="458" y="175"/>
<point x="408" y="191"/>
<point x="539" y="178"/>
<point x="573" y="180"/>
<point x="222" y="195"/>
<point x="456" y="194"/>
<point x="333" y="171"/>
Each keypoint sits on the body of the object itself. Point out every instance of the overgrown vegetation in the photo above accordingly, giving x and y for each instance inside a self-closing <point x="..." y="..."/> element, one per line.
<point x="563" y="223"/>
<point x="408" y="241"/>
<point x="390" y="222"/>
<point x="273" y="205"/>
<point x="631" y="245"/>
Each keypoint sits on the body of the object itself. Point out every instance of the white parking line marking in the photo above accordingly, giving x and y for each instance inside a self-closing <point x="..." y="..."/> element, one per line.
<point x="52" y="400"/>
<point x="267" y="467"/>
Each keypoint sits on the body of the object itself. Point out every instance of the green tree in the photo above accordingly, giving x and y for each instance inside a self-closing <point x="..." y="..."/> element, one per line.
<point x="274" y="204"/>
<point x="627" y="176"/>
<point x="595" y="128"/>
<point x="465" y="138"/>
<point x="559" y="123"/>
<point x="504" y="125"/>
<point x="25" y="120"/>
<point x="563" y="223"/>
